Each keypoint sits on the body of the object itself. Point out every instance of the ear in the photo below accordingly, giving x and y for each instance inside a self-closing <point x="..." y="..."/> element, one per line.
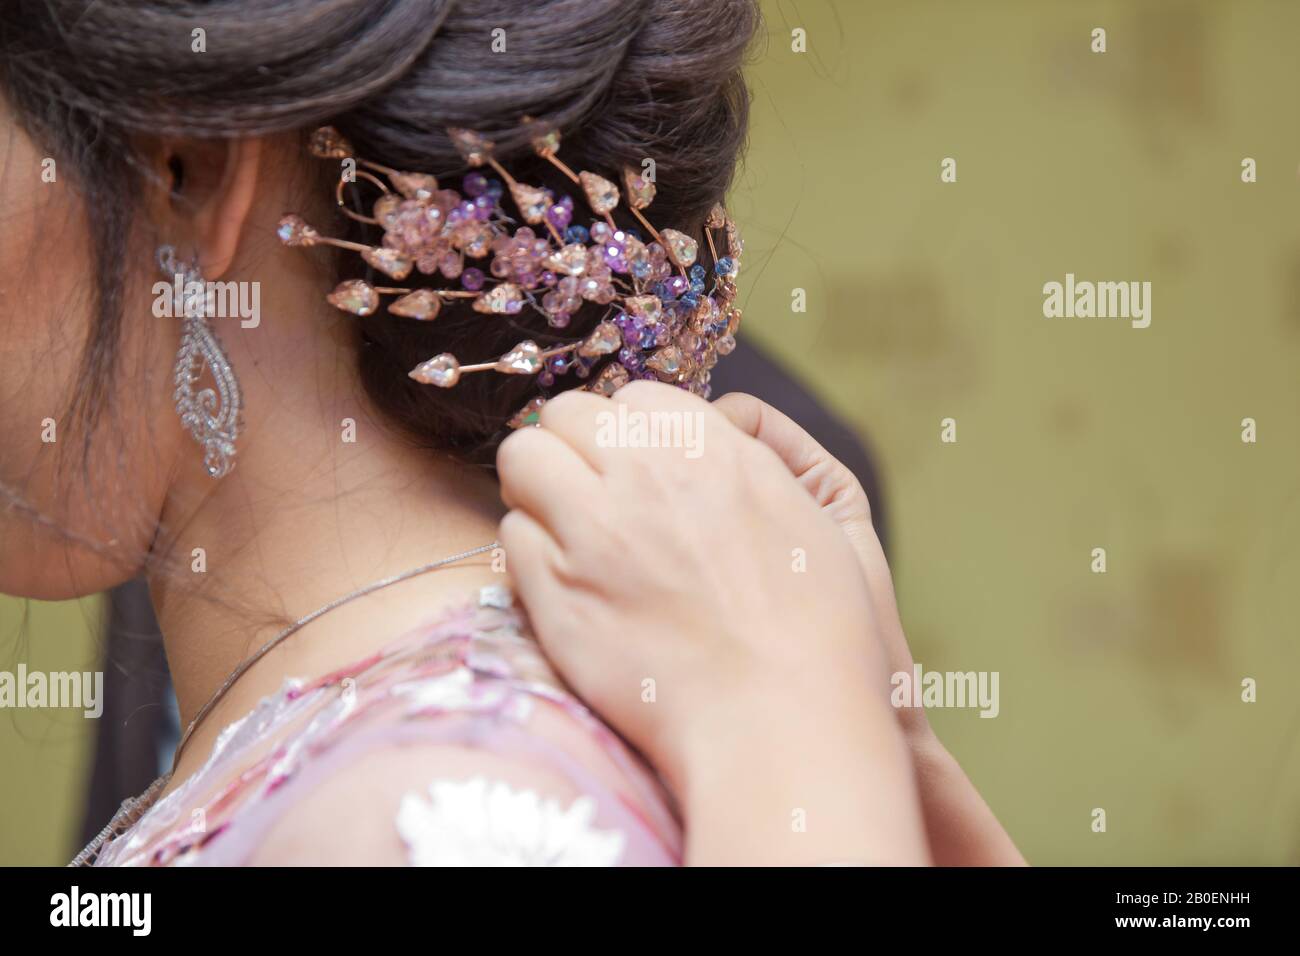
<point x="214" y="183"/>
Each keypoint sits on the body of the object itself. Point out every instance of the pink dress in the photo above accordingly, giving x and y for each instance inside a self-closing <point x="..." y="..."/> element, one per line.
<point x="475" y="680"/>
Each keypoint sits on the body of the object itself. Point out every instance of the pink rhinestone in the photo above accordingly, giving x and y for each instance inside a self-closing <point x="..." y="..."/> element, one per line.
<point x="441" y="370"/>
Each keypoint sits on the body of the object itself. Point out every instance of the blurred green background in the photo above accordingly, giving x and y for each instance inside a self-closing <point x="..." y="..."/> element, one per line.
<point x="1119" y="690"/>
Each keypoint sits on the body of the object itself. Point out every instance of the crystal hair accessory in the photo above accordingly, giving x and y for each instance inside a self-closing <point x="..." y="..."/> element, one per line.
<point x="211" y="416"/>
<point x="664" y="320"/>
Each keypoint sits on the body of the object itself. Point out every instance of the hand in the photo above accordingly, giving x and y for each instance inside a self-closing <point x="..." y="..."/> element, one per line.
<point x="705" y="580"/>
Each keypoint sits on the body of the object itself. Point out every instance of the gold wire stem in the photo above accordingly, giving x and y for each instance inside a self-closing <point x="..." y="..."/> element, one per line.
<point x="510" y="181"/>
<point x="560" y="165"/>
<point x="491" y="366"/>
<point x="342" y="204"/>
<point x="320" y="240"/>
<point x="500" y="171"/>
<point x="655" y="233"/>
<point x="440" y="293"/>
<point x="646" y="222"/>
<point x="377" y="167"/>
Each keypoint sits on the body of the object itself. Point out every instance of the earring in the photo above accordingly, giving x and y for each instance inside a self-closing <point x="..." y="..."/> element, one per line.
<point x="212" y="417"/>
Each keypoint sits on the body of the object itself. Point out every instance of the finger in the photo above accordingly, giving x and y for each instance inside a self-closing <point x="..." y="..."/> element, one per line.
<point x="660" y="396"/>
<point x="575" y="416"/>
<point x="663" y="421"/>
<point x="531" y="552"/>
<point x="542" y="474"/>
<point x="594" y="425"/>
<point x="833" y="485"/>
<point x="532" y="560"/>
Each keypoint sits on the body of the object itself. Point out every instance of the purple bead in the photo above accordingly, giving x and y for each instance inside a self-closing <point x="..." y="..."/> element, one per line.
<point x="614" y="257"/>
<point x="483" y="208"/>
<point x="545" y="379"/>
<point x="549" y="279"/>
<point x="560" y="214"/>
<point x="558" y="320"/>
<point x="472" y="279"/>
<point x="677" y="286"/>
<point x="475" y="184"/>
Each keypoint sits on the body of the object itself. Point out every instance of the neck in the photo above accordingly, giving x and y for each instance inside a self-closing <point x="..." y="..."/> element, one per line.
<point x="244" y="569"/>
<point x="325" y="499"/>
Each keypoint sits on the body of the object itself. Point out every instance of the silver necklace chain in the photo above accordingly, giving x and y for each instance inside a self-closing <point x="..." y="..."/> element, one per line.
<point x="134" y="807"/>
<point x="302" y="622"/>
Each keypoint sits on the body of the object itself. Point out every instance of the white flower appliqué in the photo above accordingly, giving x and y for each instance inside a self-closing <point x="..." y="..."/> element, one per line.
<point x="474" y="823"/>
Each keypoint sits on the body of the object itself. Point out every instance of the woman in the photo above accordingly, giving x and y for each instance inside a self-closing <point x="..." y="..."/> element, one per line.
<point x="305" y="475"/>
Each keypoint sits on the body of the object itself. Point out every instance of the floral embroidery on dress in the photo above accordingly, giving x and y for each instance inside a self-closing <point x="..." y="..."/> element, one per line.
<point x="476" y="823"/>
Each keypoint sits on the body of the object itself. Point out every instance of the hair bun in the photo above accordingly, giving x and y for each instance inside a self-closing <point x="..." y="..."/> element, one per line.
<point x="625" y="81"/>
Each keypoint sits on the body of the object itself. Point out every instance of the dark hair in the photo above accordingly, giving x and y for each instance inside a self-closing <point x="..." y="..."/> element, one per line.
<point x="623" y="80"/>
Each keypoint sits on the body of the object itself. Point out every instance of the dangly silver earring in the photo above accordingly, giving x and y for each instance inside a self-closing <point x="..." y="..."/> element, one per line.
<point x="212" y="417"/>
